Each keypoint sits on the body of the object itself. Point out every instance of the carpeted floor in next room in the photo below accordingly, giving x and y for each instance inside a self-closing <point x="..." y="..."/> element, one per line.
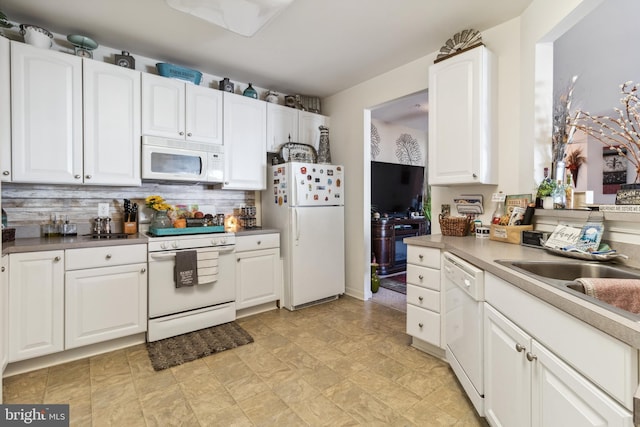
<point x="392" y="292"/>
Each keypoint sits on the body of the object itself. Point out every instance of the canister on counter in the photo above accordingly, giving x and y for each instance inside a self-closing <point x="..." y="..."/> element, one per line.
<point x="482" y="232"/>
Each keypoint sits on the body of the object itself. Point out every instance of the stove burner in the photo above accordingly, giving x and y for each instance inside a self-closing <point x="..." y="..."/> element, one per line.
<point x="108" y="236"/>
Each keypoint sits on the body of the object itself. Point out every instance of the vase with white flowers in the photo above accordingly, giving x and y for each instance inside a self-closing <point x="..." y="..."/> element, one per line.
<point x="620" y="132"/>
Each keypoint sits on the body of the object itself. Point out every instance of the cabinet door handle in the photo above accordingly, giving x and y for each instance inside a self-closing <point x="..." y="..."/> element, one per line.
<point x="5" y="173"/>
<point x="189" y="134"/>
<point x="531" y="357"/>
<point x="143" y="270"/>
<point x="420" y="299"/>
<point x="474" y="176"/>
<point x="108" y="256"/>
<point x="2" y="269"/>
<point x="77" y="176"/>
<point x="56" y="259"/>
<point x="420" y="277"/>
<point x="420" y="325"/>
<point x="421" y="257"/>
<point x="259" y="242"/>
<point x="181" y="133"/>
<point x="88" y="176"/>
<point x="520" y="348"/>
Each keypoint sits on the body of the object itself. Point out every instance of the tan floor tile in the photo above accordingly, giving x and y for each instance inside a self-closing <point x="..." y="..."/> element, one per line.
<point x="246" y="387"/>
<point x="190" y="369"/>
<point x="263" y="407"/>
<point x="320" y="411"/>
<point x="297" y="358"/>
<point x="197" y="385"/>
<point x="25" y="388"/>
<point x="207" y="406"/>
<point x="128" y="414"/>
<point x="148" y="383"/>
<point x="75" y="371"/>
<point x="229" y="416"/>
<point x="80" y="412"/>
<point x="384" y="389"/>
<point x="167" y="407"/>
<point x="295" y="390"/>
<point x="114" y="394"/>
<point x="323" y="377"/>
<point x="63" y="392"/>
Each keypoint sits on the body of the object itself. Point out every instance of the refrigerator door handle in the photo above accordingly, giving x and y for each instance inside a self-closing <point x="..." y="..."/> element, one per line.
<point x="296" y="229"/>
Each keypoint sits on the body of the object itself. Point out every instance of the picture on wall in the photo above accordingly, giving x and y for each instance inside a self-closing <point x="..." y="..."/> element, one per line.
<point x="408" y="150"/>
<point x="614" y="169"/>
<point x="375" y="142"/>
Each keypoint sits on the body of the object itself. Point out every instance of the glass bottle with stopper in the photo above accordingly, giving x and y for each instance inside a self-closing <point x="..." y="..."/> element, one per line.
<point x="499" y="212"/>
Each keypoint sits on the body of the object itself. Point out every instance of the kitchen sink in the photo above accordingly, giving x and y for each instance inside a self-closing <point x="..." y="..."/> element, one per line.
<point x="563" y="275"/>
<point x="569" y="270"/>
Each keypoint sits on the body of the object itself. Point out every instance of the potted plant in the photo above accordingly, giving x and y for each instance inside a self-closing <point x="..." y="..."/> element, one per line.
<point x="545" y="192"/>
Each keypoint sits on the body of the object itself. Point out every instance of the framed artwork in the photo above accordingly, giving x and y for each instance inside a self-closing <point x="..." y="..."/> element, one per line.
<point x="614" y="170"/>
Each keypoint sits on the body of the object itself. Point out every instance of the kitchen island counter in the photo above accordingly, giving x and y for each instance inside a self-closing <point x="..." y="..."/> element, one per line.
<point x="483" y="253"/>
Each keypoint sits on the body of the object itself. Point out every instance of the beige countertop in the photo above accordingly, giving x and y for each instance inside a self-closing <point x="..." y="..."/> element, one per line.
<point x="483" y="252"/>
<point x="35" y="244"/>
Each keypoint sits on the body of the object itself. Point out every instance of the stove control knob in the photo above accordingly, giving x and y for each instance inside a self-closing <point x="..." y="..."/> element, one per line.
<point x="175" y="245"/>
<point x="163" y="245"/>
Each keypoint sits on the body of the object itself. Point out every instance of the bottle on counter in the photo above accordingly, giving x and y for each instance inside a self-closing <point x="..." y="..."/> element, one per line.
<point x="569" y="193"/>
<point x="559" y="196"/>
<point x="498" y="213"/>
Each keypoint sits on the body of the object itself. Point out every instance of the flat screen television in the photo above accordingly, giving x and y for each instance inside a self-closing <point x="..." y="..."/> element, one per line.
<point x="396" y="189"/>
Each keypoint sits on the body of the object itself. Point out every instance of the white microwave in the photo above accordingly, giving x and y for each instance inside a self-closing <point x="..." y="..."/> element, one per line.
<point x="166" y="159"/>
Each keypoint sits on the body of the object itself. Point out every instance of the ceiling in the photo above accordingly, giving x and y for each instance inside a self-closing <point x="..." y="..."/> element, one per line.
<point x="314" y="47"/>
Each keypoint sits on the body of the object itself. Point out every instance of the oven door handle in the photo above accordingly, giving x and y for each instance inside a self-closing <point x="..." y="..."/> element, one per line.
<point x="171" y="255"/>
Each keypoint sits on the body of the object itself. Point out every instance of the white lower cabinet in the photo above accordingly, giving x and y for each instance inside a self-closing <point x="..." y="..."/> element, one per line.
<point x="258" y="270"/>
<point x="36" y="304"/>
<point x="105" y="303"/>
<point x="424" y="299"/>
<point x="102" y="295"/>
<point x="527" y="384"/>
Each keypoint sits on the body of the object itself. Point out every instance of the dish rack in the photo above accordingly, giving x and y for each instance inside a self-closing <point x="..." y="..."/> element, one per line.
<point x="454" y="225"/>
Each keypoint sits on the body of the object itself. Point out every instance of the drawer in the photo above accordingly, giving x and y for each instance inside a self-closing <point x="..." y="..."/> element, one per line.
<point x="105" y="256"/>
<point x="426" y="257"/>
<point x="423" y="298"/>
<point x="423" y="324"/>
<point x="257" y="241"/>
<point x="423" y="276"/>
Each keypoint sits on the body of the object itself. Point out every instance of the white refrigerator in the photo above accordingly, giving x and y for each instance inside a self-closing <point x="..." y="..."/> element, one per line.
<point x="305" y="202"/>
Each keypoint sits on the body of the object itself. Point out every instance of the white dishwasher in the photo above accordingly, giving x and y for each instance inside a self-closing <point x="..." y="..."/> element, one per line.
<point x="464" y="306"/>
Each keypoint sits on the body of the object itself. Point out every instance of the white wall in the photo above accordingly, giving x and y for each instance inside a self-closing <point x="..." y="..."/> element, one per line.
<point x="519" y="134"/>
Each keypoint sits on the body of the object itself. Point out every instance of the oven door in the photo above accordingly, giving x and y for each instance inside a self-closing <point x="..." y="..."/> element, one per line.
<point x="216" y="273"/>
<point x="173" y="164"/>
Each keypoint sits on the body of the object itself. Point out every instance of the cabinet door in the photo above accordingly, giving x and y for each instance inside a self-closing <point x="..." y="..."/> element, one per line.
<point x="282" y="126"/>
<point x="46" y="115"/>
<point x="308" y="127"/>
<point x="163" y="106"/>
<point x="460" y="146"/>
<point x="36" y="301"/>
<point x="111" y="124"/>
<point x="562" y="397"/>
<point x="258" y="277"/>
<point x="105" y="303"/>
<point x="203" y="114"/>
<point x="245" y="155"/>
<point x="507" y="372"/>
<point x="5" y="110"/>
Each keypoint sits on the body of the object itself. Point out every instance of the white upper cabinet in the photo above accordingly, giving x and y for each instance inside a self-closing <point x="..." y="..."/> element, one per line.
<point x="179" y="110"/>
<point x="462" y="146"/>
<point x="308" y="127"/>
<point x="111" y="124"/>
<point x="282" y="124"/>
<point x="46" y="115"/>
<point x="51" y="94"/>
<point x="245" y="154"/>
<point x="5" y="110"/>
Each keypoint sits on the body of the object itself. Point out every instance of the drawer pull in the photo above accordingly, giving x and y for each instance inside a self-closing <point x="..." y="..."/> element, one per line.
<point x="108" y="256"/>
<point x="88" y="176"/>
<point x="259" y="242"/>
<point x="2" y="269"/>
<point x="421" y="257"/>
<point x="519" y="347"/>
<point x="531" y="357"/>
<point x="5" y="173"/>
<point x="420" y="298"/>
<point x="420" y="325"/>
<point x="56" y="259"/>
<point x="143" y="270"/>
<point x="421" y="277"/>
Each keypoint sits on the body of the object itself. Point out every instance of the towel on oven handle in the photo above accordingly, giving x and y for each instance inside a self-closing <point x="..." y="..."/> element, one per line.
<point x="186" y="268"/>
<point x="207" y="267"/>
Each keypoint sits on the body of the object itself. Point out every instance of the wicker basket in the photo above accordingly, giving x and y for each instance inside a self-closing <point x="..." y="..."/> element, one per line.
<point x="454" y="225"/>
